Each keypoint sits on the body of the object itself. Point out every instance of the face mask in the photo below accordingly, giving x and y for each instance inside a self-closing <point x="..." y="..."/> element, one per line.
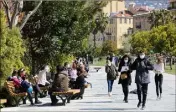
<point x="68" y="66"/>
<point x="109" y="63"/>
<point x="142" y="56"/>
<point x="125" y="60"/>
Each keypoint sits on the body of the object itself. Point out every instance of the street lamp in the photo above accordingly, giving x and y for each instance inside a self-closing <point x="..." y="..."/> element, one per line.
<point x="95" y="31"/>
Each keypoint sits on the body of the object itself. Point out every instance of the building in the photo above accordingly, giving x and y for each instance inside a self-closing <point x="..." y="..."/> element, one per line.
<point x="112" y="7"/>
<point x="141" y="22"/>
<point x="140" y="17"/>
<point x="172" y="5"/>
<point x="119" y="26"/>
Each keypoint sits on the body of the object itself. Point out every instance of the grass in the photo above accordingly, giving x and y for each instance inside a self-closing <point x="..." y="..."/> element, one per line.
<point x="99" y="63"/>
<point x="169" y="71"/>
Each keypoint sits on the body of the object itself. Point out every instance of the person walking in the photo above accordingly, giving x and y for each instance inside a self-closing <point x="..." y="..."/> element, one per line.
<point x="125" y="76"/>
<point x="112" y="74"/>
<point x="114" y="59"/>
<point x="142" y="78"/>
<point x="159" y="69"/>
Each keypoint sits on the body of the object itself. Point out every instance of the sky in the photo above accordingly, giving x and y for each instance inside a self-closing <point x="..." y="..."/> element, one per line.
<point x="158" y="4"/>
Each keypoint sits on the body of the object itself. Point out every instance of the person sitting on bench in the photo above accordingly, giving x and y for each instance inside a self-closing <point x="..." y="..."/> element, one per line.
<point x="80" y="84"/>
<point x="60" y="84"/>
<point x="42" y="82"/>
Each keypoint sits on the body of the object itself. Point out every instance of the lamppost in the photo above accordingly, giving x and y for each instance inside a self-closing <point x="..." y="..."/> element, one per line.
<point x="95" y="31"/>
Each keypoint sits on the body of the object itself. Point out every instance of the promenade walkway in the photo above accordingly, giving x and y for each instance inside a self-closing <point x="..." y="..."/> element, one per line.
<point x="96" y="98"/>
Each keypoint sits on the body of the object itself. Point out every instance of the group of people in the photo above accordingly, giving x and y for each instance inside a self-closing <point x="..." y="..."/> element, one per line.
<point x="142" y="78"/>
<point x="66" y="77"/>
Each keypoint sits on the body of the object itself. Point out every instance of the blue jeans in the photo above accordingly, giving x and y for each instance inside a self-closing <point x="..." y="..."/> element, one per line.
<point x="110" y="84"/>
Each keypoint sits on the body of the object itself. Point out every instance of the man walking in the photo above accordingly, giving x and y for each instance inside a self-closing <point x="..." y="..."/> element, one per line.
<point x="142" y="78"/>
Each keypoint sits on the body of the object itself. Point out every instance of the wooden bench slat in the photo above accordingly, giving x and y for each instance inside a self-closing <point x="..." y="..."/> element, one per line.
<point x="71" y="91"/>
<point x="2" y="101"/>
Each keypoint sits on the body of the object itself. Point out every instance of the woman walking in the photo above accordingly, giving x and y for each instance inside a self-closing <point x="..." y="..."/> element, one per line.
<point x="159" y="69"/>
<point x="112" y="74"/>
<point x="125" y="77"/>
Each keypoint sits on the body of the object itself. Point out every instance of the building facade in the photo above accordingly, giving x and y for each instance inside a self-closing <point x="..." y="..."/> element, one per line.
<point x="112" y="7"/>
<point x="141" y="22"/>
<point x="119" y="26"/>
<point x="172" y="5"/>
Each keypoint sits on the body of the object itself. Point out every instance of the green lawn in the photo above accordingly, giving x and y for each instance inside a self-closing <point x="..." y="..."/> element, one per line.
<point x="99" y="63"/>
<point x="173" y="71"/>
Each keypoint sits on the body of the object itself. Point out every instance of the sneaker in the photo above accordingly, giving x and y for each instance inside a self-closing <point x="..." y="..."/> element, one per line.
<point x="38" y="102"/>
<point x="110" y="93"/>
<point x="54" y="102"/>
<point x="157" y="98"/>
<point x="126" y="101"/>
<point x="139" y="104"/>
<point x="32" y="104"/>
<point x="143" y="107"/>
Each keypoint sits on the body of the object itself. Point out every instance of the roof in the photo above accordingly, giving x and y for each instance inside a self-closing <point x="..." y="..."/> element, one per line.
<point x="123" y="13"/>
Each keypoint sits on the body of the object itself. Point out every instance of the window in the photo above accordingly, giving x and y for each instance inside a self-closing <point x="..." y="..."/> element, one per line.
<point x="120" y="20"/>
<point x="125" y="20"/>
<point x="129" y="21"/>
<point x="111" y="21"/>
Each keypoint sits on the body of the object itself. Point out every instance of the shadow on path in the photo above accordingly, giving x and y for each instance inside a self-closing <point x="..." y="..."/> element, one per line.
<point x="108" y="109"/>
<point x="97" y="102"/>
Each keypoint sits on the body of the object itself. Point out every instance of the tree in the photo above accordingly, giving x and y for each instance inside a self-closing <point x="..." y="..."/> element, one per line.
<point x="140" y="41"/>
<point x="109" y="47"/>
<point x="58" y="27"/>
<point x="163" y="39"/>
<point x="160" y="17"/>
<point x="11" y="46"/>
<point x="14" y="12"/>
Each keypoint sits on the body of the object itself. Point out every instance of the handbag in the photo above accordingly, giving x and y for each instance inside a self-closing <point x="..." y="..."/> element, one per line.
<point x="123" y="76"/>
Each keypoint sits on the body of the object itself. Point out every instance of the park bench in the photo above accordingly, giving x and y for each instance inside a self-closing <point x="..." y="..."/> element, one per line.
<point x="17" y="97"/>
<point x="97" y="68"/>
<point x="66" y="96"/>
<point x="2" y="101"/>
<point x="44" y="90"/>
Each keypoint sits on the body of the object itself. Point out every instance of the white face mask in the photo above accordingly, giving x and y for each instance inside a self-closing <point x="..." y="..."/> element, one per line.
<point x="125" y="60"/>
<point x="47" y="68"/>
<point x="109" y="63"/>
<point x="142" y="56"/>
<point x="68" y="66"/>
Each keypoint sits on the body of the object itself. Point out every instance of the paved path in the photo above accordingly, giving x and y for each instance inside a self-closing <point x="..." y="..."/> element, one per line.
<point x="96" y="98"/>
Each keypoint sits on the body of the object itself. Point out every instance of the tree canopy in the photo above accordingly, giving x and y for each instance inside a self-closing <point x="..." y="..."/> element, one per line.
<point x="12" y="49"/>
<point x="59" y="27"/>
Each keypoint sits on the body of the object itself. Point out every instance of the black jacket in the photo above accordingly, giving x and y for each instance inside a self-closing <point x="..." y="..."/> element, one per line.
<point x="142" y="67"/>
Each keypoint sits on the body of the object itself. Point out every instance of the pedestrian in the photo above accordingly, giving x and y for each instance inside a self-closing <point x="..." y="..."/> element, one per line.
<point x="125" y="76"/>
<point x="80" y="84"/>
<point x="159" y="69"/>
<point x="142" y="78"/>
<point x="112" y="74"/>
<point x="114" y="59"/>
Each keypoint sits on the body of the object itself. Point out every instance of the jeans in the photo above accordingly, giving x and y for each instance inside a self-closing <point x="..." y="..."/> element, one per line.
<point x="125" y="89"/>
<point x="142" y="89"/>
<point x="110" y="84"/>
<point x="158" y="83"/>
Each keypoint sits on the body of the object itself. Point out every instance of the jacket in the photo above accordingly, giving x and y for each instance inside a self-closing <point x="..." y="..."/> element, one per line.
<point x="114" y="60"/>
<point x="128" y="80"/>
<point x="142" y="67"/>
<point x="61" y="82"/>
<point x="111" y="71"/>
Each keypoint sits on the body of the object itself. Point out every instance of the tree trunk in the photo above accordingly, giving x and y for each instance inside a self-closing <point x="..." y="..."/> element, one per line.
<point x="94" y="41"/>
